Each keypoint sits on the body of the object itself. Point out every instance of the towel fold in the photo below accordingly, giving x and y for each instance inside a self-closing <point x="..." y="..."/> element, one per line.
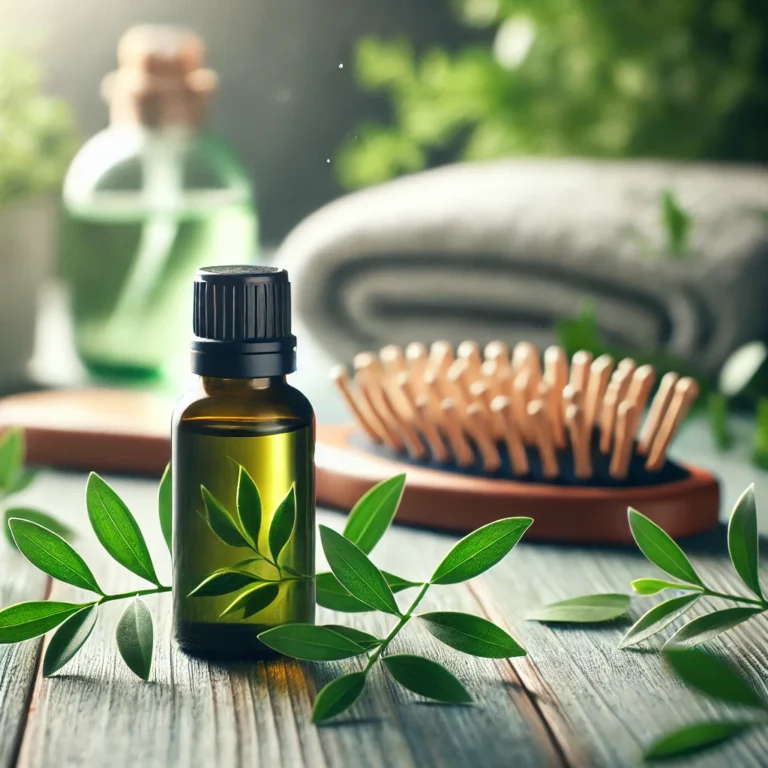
<point x="504" y="250"/>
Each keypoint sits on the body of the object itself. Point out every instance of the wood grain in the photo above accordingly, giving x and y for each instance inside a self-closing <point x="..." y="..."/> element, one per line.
<point x="94" y="712"/>
<point x="19" y="582"/>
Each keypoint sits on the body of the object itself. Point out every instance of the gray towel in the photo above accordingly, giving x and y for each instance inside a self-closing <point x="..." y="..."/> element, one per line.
<point x="504" y="250"/>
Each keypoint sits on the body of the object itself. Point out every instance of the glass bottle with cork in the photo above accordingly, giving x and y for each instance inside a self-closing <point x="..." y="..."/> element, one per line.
<point x="145" y="203"/>
<point x="243" y="471"/>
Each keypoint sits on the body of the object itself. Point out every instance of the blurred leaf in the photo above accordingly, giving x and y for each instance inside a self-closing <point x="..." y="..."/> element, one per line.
<point x="677" y="223"/>
<point x="25" y="478"/>
<point x="695" y="738"/>
<point x="11" y="458"/>
<point x="69" y="638"/>
<point x="117" y="529"/>
<point x="743" y="542"/>
<point x="135" y="638"/>
<point x="586" y="609"/>
<point x="480" y="550"/>
<point x="717" y="412"/>
<point x="372" y="515"/>
<point x="760" y="438"/>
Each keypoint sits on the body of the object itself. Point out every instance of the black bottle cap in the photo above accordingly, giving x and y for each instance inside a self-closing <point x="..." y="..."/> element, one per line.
<point x="242" y="323"/>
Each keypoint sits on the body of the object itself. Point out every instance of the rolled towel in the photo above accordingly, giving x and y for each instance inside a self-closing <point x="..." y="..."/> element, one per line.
<point x="504" y="250"/>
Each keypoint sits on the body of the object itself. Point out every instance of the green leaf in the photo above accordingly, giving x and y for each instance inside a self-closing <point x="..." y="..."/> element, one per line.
<point x="331" y="595"/>
<point x="586" y="609"/>
<point x="23" y="481"/>
<point x="135" y="638"/>
<point x="165" y="507"/>
<point x="677" y="223"/>
<point x="224" y="581"/>
<point x="310" y="642"/>
<point x="657" y="618"/>
<point x="372" y="515"/>
<point x="480" y="550"/>
<point x="340" y="694"/>
<point x="253" y="600"/>
<point x="743" y="544"/>
<point x="714" y="677"/>
<point x="281" y="528"/>
<point x="26" y="620"/>
<point x="654" y="586"/>
<point x="427" y="678"/>
<point x="717" y="413"/>
<point x="221" y="522"/>
<point x="11" y="458"/>
<point x="471" y="634"/>
<point x="660" y="549"/>
<point x="117" y="529"/>
<point x="248" y="505"/>
<point x="36" y="516"/>
<point x="363" y="639"/>
<point x="356" y="573"/>
<point x="695" y="738"/>
<point x="47" y="551"/>
<point x="704" y="628"/>
<point x="69" y="638"/>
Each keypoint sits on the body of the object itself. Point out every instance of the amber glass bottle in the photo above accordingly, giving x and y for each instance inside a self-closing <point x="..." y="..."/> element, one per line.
<point x="243" y="471"/>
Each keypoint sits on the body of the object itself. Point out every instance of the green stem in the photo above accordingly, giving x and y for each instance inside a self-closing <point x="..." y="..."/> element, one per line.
<point x="135" y="593"/>
<point x="400" y="624"/>
<point x="736" y="598"/>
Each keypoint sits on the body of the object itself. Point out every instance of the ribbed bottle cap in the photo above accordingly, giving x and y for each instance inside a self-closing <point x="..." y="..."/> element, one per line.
<point x="242" y="323"/>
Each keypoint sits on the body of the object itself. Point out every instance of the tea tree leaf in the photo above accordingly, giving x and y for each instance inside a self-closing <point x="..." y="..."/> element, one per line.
<point x="427" y="678"/>
<point x="677" y="223"/>
<point x="224" y="581"/>
<point x="332" y="595"/>
<point x="11" y="458"/>
<point x="704" y="628"/>
<point x="660" y="549"/>
<point x="36" y="516"/>
<point x="657" y="618"/>
<point x="69" y="638"/>
<point x="47" y="551"/>
<point x="695" y="738"/>
<point x="713" y="677"/>
<point x="654" y="586"/>
<point x="743" y="543"/>
<point x="165" y="507"/>
<point x="471" y="634"/>
<point x="372" y="515"/>
<point x="248" y="505"/>
<point x="221" y="522"/>
<point x="253" y="599"/>
<point x="117" y="529"/>
<point x="586" y="609"/>
<point x="310" y="642"/>
<point x="23" y="481"/>
<point x="356" y="573"/>
<point x="363" y="639"/>
<point x="134" y="636"/>
<point x="480" y="550"/>
<point x="282" y="524"/>
<point x="339" y="695"/>
<point x="26" y="620"/>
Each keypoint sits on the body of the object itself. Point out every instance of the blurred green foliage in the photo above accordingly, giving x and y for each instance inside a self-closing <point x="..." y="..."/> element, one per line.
<point x="37" y="135"/>
<point x="681" y="79"/>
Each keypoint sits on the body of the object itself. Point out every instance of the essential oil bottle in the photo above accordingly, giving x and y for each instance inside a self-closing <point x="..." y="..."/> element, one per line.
<point x="243" y="471"/>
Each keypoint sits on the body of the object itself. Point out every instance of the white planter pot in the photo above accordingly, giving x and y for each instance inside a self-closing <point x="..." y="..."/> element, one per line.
<point x="27" y="247"/>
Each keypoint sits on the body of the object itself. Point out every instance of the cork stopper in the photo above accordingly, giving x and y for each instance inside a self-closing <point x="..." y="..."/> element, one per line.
<point x="160" y="80"/>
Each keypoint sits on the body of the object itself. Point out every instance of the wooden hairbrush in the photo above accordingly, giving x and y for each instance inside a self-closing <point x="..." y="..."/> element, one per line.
<point x="484" y="435"/>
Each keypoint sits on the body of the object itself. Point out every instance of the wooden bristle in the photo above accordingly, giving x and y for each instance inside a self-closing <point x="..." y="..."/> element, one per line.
<point x="445" y="404"/>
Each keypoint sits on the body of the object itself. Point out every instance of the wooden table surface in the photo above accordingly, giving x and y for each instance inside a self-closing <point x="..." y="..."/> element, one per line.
<point x="575" y="700"/>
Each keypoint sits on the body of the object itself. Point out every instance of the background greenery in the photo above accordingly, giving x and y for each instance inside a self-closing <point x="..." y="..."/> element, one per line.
<point x="686" y="79"/>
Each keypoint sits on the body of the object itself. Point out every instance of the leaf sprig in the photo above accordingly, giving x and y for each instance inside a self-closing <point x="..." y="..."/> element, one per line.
<point x="356" y="584"/>
<point x="697" y="669"/>
<point x="119" y="533"/>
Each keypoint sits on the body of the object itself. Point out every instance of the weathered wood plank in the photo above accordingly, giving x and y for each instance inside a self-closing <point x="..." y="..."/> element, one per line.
<point x="95" y="712"/>
<point x="615" y="701"/>
<point x="19" y="581"/>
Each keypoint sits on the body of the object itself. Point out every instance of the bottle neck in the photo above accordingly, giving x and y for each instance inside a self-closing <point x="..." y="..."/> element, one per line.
<point x="218" y="386"/>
